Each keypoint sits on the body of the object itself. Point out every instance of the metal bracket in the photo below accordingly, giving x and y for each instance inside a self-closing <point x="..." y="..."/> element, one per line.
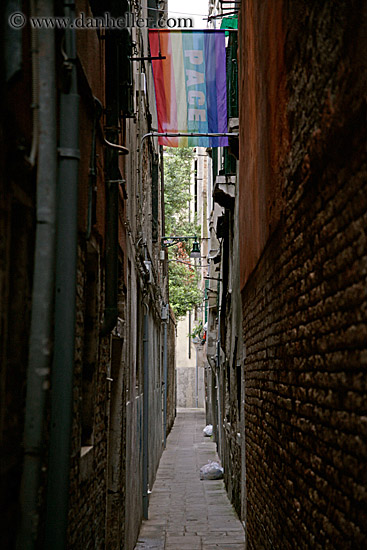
<point x="191" y="134"/>
<point x="170" y="241"/>
<point x="156" y="58"/>
<point x="67" y="152"/>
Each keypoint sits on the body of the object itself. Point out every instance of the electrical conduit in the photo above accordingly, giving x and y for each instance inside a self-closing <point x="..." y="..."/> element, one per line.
<point x="66" y="261"/>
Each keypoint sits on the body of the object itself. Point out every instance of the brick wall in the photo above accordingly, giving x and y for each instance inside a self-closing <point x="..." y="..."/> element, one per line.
<point x="87" y="509"/>
<point x="88" y="476"/>
<point x="304" y="291"/>
<point x="231" y="460"/>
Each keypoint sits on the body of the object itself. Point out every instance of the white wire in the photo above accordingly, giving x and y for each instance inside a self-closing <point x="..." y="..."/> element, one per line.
<point x="183" y="13"/>
<point x="175" y="12"/>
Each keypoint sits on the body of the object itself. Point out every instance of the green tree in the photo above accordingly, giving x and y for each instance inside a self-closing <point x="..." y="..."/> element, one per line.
<point x="184" y="292"/>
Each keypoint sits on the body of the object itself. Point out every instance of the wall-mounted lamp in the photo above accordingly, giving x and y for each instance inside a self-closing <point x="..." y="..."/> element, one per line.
<point x="172" y="240"/>
<point x="195" y="252"/>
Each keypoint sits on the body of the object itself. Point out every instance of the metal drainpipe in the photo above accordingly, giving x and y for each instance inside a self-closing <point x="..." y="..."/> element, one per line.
<point x="196" y="377"/>
<point x="40" y="343"/>
<point x="161" y="153"/>
<point x="35" y="79"/>
<point x="146" y="414"/>
<point x="66" y="262"/>
<point x="163" y="224"/>
<point x="218" y="379"/>
<point x="165" y="381"/>
<point x="165" y="327"/>
<point x="189" y="350"/>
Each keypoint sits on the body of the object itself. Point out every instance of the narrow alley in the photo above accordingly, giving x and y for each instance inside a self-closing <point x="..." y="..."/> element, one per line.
<point x="186" y="513"/>
<point x="183" y="244"/>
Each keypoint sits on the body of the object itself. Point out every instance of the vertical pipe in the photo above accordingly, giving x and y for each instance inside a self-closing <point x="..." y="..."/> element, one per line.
<point x="218" y="380"/>
<point x="40" y="343"/>
<point x="145" y="414"/>
<point x="196" y="378"/>
<point x="66" y="258"/>
<point x="163" y="224"/>
<point x="165" y="383"/>
<point x="189" y="335"/>
<point x="35" y="80"/>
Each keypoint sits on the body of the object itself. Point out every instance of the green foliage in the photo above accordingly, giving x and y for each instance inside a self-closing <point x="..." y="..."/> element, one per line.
<point x="198" y="330"/>
<point x="183" y="279"/>
<point x="183" y="288"/>
<point x="177" y="175"/>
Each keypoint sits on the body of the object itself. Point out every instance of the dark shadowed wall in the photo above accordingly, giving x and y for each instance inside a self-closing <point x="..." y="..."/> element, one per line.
<point x="303" y="219"/>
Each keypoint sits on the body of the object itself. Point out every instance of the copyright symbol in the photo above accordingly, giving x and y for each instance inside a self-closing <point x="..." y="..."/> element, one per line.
<point x="17" y="20"/>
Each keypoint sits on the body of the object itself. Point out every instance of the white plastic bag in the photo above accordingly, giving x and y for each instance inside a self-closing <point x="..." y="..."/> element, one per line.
<point x="208" y="430"/>
<point x="212" y="470"/>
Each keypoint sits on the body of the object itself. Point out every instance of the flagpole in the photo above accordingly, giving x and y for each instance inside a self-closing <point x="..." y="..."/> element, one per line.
<point x="190" y="134"/>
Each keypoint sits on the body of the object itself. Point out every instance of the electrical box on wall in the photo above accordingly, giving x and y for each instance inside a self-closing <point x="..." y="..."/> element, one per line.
<point x="164" y="313"/>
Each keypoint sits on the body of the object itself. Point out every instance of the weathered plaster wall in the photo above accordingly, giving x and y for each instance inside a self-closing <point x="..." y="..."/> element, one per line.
<point x="264" y="127"/>
<point x="186" y="368"/>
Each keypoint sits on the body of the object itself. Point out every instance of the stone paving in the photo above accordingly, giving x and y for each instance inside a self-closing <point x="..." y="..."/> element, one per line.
<point x="186" y="513"/>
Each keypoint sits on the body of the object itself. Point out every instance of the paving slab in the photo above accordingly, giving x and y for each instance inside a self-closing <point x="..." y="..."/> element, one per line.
<point x="186" y="513"/>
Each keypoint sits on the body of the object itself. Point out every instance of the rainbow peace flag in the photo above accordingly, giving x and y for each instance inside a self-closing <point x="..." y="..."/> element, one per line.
<point x="190" y="85"/>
